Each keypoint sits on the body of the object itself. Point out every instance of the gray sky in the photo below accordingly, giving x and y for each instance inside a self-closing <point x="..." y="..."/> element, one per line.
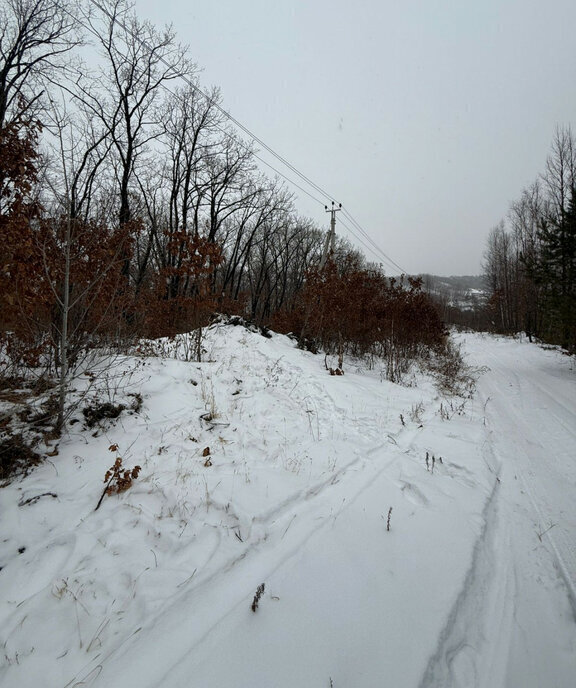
<point x="424" y="118"/>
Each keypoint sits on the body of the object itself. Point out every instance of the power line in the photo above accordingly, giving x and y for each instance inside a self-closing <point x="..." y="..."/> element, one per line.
<point x="290" y="181"/>
<point x="374" y="251"/>
<point x="212" y="102"/>
<point x="373" y="243"/>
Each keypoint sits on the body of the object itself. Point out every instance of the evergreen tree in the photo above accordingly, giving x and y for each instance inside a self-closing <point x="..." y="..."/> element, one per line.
<point x="554" y="270"/>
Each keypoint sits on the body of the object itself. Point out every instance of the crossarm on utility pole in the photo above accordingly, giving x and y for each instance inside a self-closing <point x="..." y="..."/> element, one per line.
<point x="330" y="242"/>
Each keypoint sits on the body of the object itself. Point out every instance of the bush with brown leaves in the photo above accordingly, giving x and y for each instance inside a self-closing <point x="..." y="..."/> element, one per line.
<point x="118" y="479"/>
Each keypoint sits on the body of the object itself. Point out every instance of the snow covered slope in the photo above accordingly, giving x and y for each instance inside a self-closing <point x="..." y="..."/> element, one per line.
<point x="260" y="468"/>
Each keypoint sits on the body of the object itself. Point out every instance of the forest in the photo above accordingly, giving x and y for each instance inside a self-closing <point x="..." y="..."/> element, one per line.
<point x="530" y="257"/>
<point x="131" y="208"/>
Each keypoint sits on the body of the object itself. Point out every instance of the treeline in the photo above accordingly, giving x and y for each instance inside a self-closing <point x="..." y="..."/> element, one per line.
<point x="130" y="208"/>
<point x="133" y="192"/>
<point x="530" y="259"/>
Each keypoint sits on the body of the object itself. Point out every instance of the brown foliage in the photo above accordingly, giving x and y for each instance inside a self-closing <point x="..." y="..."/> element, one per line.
<point x="98" y="291"/>
<point x="19" y="262"/>
<point x="118" y="478"/>
<point x="16" y="457"/>
<point x="361" y="311"/>
<point x="36" y="250"/>
<point x="179" y="298"/>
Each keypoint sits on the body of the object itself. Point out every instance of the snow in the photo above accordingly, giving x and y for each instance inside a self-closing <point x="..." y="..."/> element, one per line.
<point x="474" y="584"/>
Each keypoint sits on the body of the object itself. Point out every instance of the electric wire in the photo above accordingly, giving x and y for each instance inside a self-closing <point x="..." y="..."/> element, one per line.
<point x="290" y="181"/>
<point x="372" y="242"/>
<point x="373" y="248"/>
<point x="214" y="103"/>
<point x="382" y="258"/>
<point x="359" y="239"/>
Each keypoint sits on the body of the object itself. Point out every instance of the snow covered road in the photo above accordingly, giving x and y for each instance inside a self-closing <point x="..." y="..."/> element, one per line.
<point x="515" y="623"/>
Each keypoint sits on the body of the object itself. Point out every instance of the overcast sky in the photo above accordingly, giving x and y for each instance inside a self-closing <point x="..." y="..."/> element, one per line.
<point x="424" y="118"/>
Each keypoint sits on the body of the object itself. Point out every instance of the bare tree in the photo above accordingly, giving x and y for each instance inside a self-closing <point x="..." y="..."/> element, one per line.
<point x="78" y="156"/>
<point x="192" y="130"/>
<point x="560" y="176"/>
<point x="531" y="267"/>
<point x="525" y="218"/>
<point x="266" y="206"/>
<point x="80" y="252"/>
<point x="191" y="135"/>
<point x="499" y="266"/>
<point x="554" y="269"/>
<point x="138" y="61"/>
<point x="228" y="185"/>
<point x="35" y="38"/>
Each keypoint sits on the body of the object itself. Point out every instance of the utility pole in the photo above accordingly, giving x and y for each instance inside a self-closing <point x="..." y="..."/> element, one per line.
<point x="330" y="242"/>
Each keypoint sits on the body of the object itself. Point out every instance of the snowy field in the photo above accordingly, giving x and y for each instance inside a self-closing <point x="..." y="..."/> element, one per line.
<point x="257" y="467"/>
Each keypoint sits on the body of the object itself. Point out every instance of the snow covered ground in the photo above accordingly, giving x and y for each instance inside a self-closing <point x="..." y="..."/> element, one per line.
<point x="473" y="585"/>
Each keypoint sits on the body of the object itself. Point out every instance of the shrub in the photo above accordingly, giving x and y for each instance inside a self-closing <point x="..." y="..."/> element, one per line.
<point x="16" y="457"/>
<point x="349" y="309"/>
<point x="118" y="479"/>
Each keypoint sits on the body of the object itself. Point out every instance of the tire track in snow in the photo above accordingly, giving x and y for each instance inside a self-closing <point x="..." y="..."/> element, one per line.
<point x="541" y="436"/>
<point x="311" y="521"/>
<point x="563" y="548"/>
<point x="510" y="624"/>
<point x="466" y="654"/>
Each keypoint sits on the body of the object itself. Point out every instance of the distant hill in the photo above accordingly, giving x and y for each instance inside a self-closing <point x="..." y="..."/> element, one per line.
<point x="462" y="291"/>
<point x="461" y="298"/>
<point x="458" y="281"/>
